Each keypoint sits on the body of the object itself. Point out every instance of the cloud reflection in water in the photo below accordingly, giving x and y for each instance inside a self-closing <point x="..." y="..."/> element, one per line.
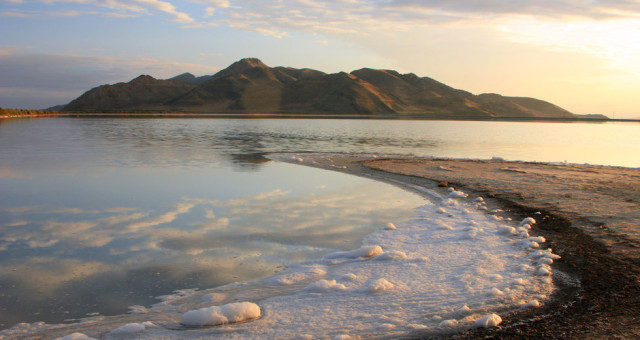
<point x="57" y="256"/>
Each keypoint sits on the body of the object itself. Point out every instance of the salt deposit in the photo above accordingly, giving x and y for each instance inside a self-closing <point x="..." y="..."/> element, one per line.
<point x="129" y="329"/>
<point x="379" y="286"/>
<point x="488" y="321"/>
<point x="531" y="304"/>
<point x="528" y="220"/>
<point x="456" y="269"/>
<point x="448" y="323"/>
<point x="325" y="285"/>
<point x="363" y="252"/>
<point x="75" y="336"/>
<point x="220" y="315"/>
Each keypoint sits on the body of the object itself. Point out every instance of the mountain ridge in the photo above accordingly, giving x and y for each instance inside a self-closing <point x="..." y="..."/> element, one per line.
<point x="250" y="86"/>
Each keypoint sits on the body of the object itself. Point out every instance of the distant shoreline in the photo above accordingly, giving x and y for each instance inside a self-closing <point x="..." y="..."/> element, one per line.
<point x="18" y="113"/>
<point x="40" y="113"/>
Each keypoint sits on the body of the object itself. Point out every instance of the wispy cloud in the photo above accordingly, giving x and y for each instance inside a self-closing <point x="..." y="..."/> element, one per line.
<point x="34" y="14"/>
<point x="10" y="172"/>
<point x="600" y="28"/>
<point x="168" y="8"/>
<point x="17" y="14"/>
<point x="357" y="16"/>
<point x="279" y="17"/>
<point x="122" y="8"/>
<point x="51" y="272"/>
<point x="180" y="208"/>
<point x="213" y="5"/>
<point x="599" y="9"/>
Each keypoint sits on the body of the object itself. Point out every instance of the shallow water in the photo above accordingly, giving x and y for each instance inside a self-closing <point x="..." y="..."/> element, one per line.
<point x="100" y="214"/>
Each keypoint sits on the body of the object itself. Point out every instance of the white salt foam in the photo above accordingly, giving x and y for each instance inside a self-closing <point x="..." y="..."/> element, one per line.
<point x="491" y="320"/>
<point x="76" y="336"/>
<point x="219" y="315"/>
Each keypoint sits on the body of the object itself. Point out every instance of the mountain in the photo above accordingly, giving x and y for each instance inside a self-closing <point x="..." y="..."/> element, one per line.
<point x="190" y="78"/>
<point x="250" y="86"/>
<point x="55" y="108"/>
<point x="142" y="93"/>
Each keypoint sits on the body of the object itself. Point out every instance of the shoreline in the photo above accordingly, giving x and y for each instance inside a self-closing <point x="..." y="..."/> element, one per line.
<point x="591" y="219"/>
<point x="71" y="114"/>
<point x="35" y="115"/>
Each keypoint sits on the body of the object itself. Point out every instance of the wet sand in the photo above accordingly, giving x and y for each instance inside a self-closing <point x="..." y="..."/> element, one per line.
<point x="590" y="215"/>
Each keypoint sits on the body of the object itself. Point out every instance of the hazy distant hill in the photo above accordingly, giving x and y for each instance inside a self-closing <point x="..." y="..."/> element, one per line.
<point x="250" y="86"/>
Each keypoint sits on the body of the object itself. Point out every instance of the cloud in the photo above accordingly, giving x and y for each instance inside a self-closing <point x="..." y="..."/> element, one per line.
<point x="597" y="10"/>
<point x="217" y="241"/>
<point x="354" y="18"/>
<point x="180" y="208"/>
<point x="278" y="18"/>
<point x="122" y="8"/>
<point x="213" y="5"/>
<point x="520" y="48"/>
<point x="61" y="228"/>
<point x="600" y="28"/>
<point x="365" y="17"/>
<point x="33" y="14"/>
<point x="271" y="223"/>
<point x="16" y="14"/>
<point x="7" y="172"/>
<point x="22" y="209"/>
<point x="168" y="8"/>
<point x="45" y="274"/>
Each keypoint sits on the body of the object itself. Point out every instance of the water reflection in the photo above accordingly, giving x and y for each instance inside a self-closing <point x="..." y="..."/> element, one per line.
<point x="250" y="161"/>
<point x="100" y="214"/>
<point x="66" y="261"/>
<point x="197" y="142"/>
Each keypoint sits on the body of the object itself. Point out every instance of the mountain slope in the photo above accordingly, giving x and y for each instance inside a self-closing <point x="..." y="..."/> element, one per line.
<point x="247" y="85"/>
<point x="142" y="93"/>
<point x="250" y="86"/>
<point x="527" y="107"/>
<point x="190" y="78"/>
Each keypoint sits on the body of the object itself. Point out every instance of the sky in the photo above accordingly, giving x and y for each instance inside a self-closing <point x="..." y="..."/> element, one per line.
<point x="583" y="55"/>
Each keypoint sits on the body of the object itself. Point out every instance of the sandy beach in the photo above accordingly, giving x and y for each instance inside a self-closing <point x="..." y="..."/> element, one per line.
<point x="588" y="214"/>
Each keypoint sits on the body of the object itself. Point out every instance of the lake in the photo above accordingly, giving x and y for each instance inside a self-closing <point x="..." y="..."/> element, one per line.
<point x="99" y="214"/>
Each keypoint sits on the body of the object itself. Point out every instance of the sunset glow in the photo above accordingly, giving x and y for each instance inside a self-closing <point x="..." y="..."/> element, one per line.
<point x="581" y="55"/>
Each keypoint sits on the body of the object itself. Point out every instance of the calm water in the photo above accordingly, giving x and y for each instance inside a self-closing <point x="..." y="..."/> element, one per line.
<point x="98" y="214"/>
